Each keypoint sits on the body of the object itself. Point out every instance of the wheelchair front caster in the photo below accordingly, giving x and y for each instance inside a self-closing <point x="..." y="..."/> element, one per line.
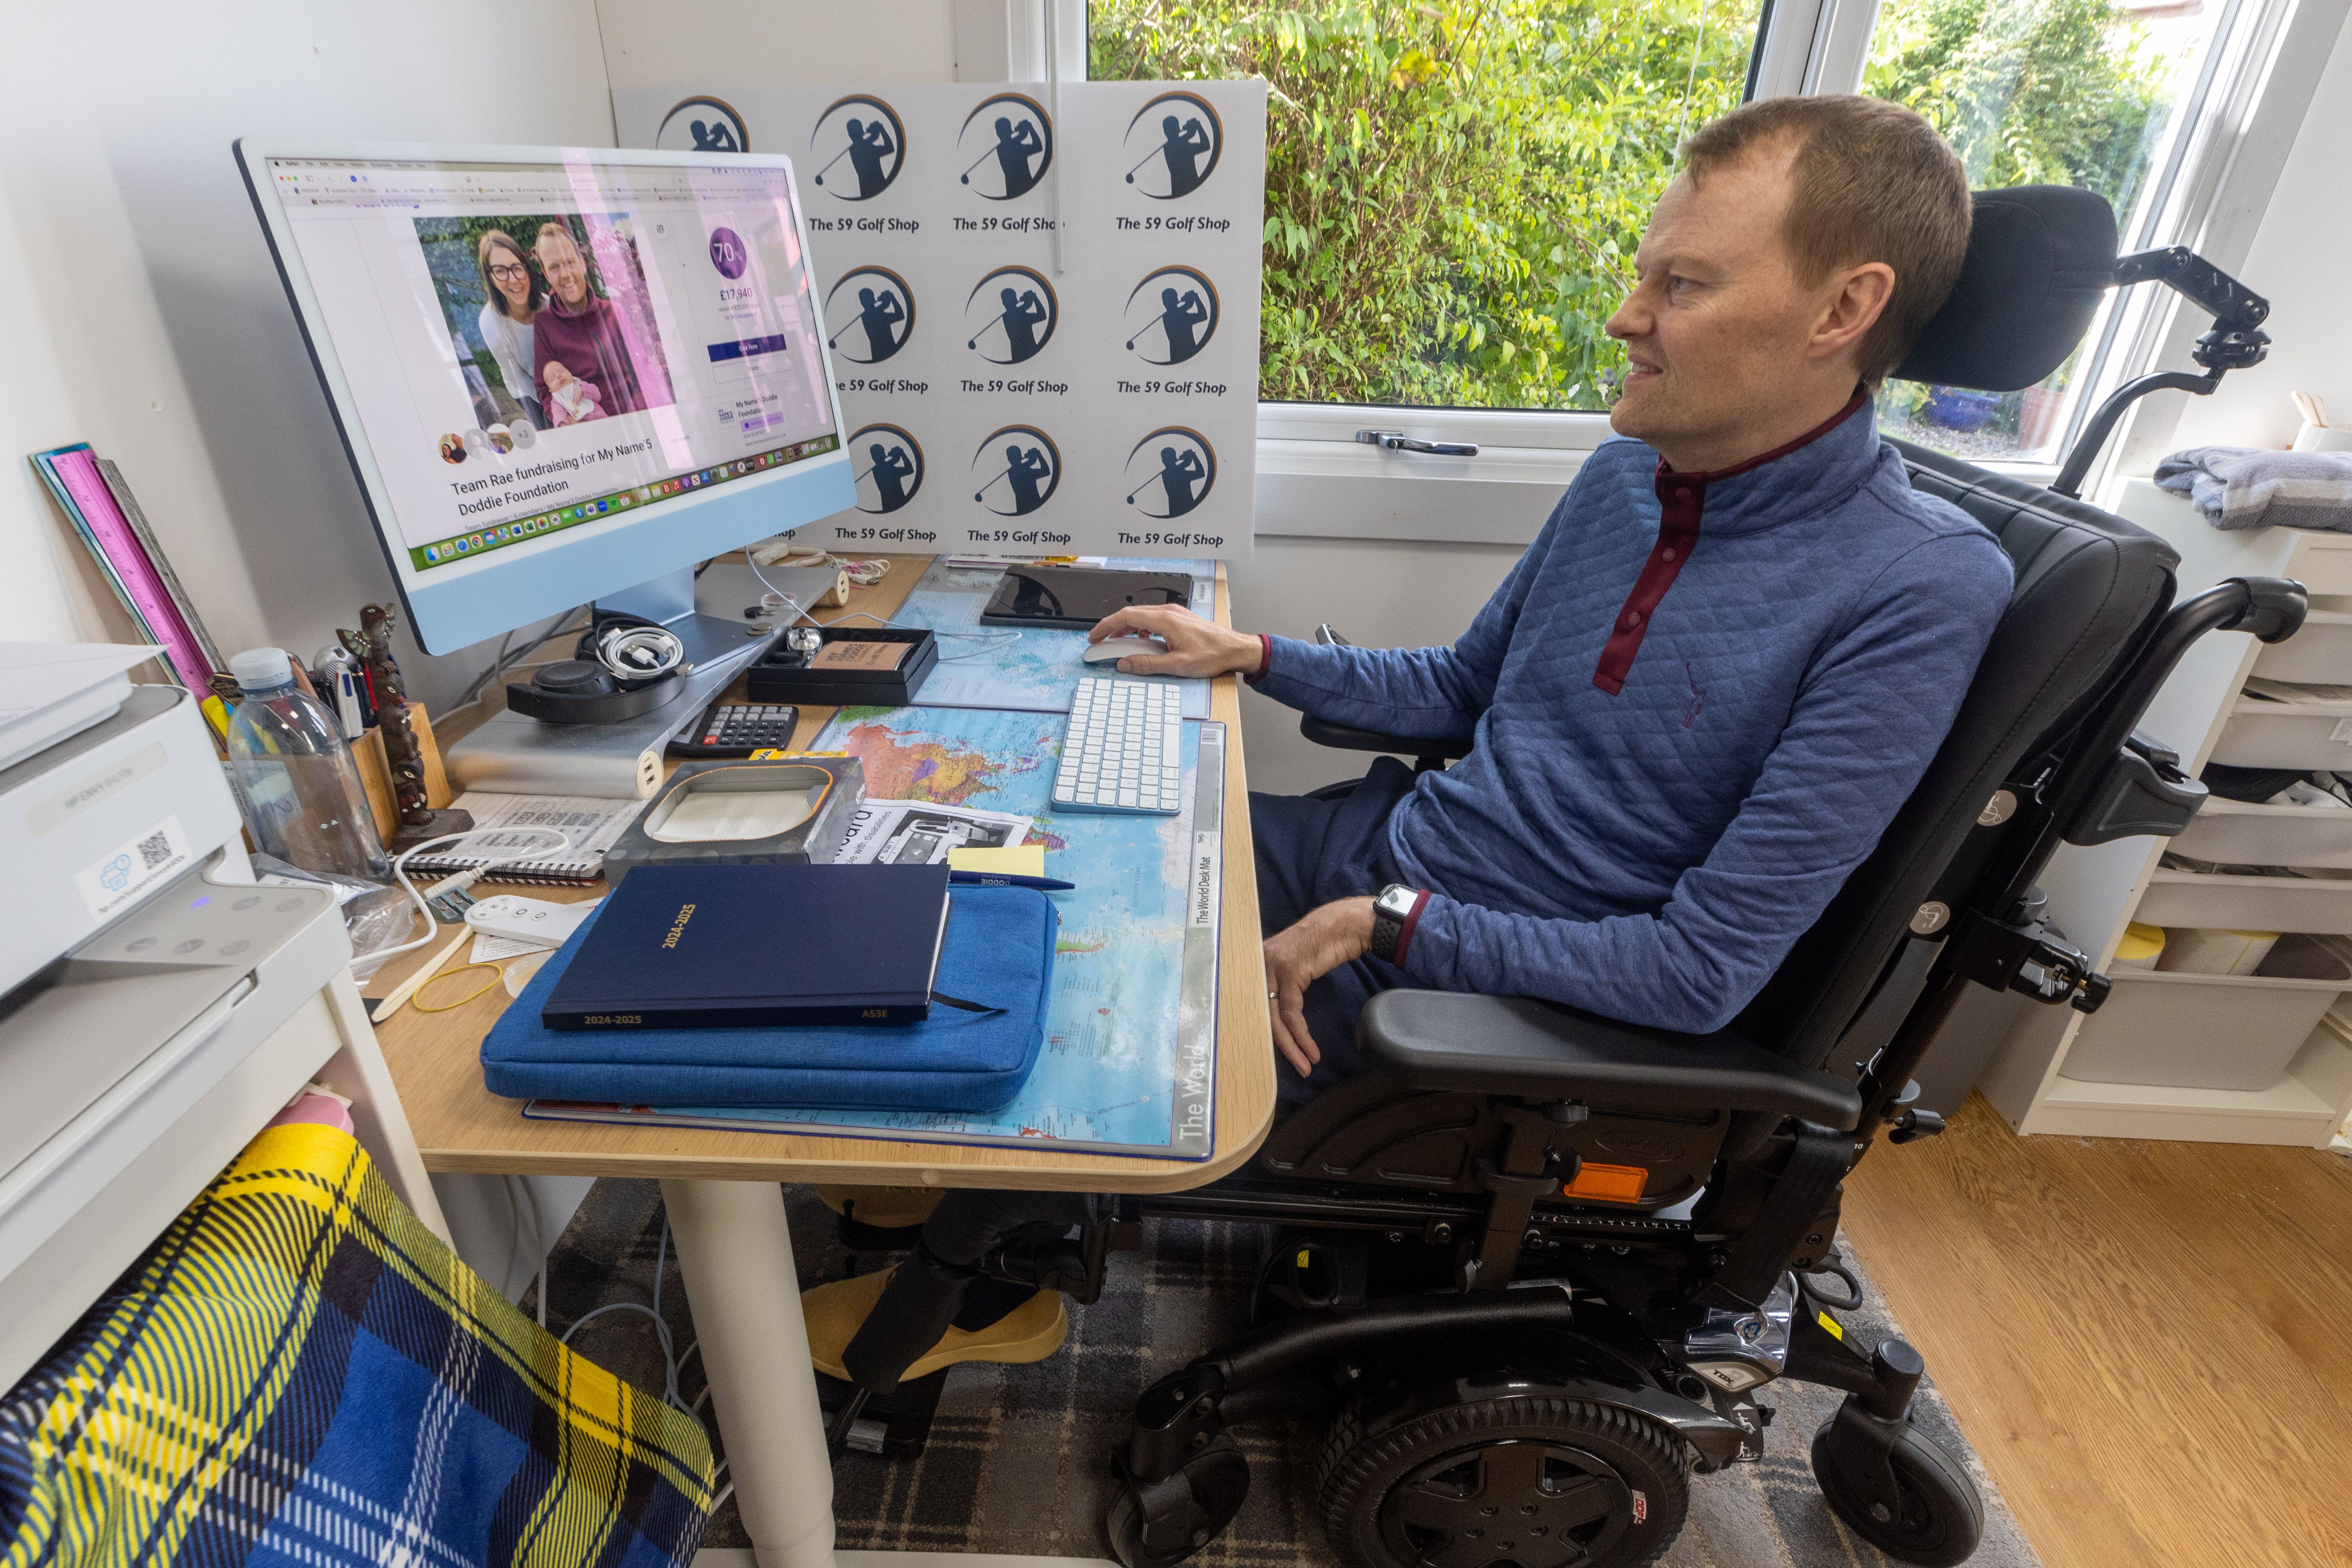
<point x="1896" y="1487"/>
<point x="1539" y="1483"/>
<point x="1155" y="1524"/>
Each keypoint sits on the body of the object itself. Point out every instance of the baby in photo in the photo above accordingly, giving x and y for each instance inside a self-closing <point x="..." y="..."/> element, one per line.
<point x="569" y="400"/>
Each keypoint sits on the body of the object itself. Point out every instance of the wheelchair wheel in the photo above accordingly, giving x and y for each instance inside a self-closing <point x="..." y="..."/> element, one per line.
<point x="1535" y="1482"/>
<point x="1941" y="1519"/>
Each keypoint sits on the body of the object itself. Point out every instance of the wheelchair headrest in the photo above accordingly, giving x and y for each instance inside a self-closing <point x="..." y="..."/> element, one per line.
<point x="2039" y="260"/>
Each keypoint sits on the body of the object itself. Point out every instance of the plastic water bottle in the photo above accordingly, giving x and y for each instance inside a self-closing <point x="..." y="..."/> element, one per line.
<point x="301" y="791"/>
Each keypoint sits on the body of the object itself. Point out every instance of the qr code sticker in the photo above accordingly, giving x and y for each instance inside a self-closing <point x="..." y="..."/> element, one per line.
<point x="155" y="848"/>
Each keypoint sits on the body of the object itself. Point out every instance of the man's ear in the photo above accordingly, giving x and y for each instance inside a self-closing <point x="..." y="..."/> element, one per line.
<point x="1857" y="299"/>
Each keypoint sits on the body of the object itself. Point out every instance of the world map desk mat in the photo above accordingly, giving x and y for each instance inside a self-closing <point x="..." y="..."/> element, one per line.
<point x="1030" y="667"/>
<point x="1130" y="1059"/>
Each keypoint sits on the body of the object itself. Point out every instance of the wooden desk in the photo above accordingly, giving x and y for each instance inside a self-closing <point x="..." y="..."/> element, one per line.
<point x="725" y="1210"/>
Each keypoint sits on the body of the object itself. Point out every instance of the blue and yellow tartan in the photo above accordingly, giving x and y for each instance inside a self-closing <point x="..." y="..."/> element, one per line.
<point x="299" y="1373"/>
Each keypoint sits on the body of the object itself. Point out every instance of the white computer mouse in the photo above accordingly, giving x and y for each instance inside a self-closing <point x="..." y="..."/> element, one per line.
<point x="1110" y="650"/>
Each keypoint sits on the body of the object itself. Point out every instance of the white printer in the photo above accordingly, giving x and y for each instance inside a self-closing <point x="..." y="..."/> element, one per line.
<point x="156" y="1006"/>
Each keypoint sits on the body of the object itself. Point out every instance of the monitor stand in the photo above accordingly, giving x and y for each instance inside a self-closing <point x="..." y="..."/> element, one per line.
<point x="514" y="754"/>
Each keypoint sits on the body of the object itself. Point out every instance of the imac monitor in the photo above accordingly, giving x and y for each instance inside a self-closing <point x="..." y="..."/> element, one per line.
<point x="559" y="373"/>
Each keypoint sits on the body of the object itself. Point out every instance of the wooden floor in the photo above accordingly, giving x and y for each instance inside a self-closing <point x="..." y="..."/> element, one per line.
<point x="2150" y="1344"/>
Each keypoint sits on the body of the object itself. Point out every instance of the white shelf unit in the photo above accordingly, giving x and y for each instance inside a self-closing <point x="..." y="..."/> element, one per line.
<point x="2095" y="892"/>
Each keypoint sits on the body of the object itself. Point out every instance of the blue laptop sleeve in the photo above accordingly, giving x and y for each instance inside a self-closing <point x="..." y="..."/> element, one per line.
<point x="999" y="951"/>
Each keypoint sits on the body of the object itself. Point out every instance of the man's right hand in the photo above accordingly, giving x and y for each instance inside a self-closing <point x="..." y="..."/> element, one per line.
<point x="1195" y="647"/>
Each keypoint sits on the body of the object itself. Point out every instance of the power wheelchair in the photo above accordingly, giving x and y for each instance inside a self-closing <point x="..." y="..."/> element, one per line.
<point x="1535" y="1269"/>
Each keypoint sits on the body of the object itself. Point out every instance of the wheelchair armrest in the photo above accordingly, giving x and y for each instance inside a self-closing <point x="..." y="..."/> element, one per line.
<point x="1348" y="738"/>
<point x="1515" y="1045"/>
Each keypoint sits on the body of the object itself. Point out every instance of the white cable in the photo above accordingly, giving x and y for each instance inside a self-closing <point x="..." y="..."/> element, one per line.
<point x="432" y="925"/>
<point x="995" y="639"/>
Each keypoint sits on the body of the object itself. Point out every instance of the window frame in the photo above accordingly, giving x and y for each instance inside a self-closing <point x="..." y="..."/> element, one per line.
<point x="2221" y="165"/>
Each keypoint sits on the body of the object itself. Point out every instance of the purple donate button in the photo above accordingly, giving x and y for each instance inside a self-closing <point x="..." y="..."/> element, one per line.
<point x="747" y="348"/>
<point x="727" y="252"/>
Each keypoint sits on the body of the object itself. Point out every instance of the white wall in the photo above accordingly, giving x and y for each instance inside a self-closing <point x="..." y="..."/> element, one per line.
<point x="2302" y="262"/>
<point x="141" y="309"/>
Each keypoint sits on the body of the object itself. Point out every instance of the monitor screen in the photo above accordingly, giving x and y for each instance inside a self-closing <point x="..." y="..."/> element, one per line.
<point x="559" y="373"/>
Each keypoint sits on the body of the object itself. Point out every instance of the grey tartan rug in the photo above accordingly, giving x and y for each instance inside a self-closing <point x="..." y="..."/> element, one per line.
<point x="1016" y="1461"/>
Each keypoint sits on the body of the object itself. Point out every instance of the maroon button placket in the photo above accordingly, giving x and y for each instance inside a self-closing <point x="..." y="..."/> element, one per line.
<point x="1681" y="500"/>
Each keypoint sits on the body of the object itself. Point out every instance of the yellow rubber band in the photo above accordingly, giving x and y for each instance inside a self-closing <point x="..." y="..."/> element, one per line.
<point x="417" y="1002"/>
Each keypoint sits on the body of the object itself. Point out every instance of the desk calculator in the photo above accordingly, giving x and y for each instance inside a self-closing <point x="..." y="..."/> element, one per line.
<point x="735" y="730"/>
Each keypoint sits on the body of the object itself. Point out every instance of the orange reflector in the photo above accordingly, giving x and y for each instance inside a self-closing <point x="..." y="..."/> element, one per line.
<point x="1608" y="1183"/>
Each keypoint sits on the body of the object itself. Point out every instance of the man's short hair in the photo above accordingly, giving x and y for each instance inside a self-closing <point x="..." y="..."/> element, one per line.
<point x="1874" y="182"/>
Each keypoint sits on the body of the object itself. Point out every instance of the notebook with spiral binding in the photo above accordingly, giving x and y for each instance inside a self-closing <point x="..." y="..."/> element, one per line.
<point x="592" y="826"/>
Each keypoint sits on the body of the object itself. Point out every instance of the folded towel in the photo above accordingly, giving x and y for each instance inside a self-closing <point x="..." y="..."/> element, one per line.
<point x="2242" y="486"/>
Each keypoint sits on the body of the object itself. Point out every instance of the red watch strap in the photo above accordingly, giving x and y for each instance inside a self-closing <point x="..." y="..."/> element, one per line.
<point x="1405" y="931"/>
<point x="1265" y="656"/>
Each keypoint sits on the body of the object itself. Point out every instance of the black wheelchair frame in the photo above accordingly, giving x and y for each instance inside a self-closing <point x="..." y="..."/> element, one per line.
<point x="1535" y="1267"/>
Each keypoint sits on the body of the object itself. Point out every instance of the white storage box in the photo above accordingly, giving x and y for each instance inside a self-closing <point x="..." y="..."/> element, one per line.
<point x="2210" y="1031"/>
<point x="2237" y="833"/>
<point x="2318" y="654"/>
<point x="2262" y="735"/>
<point x="2247" y="904"/>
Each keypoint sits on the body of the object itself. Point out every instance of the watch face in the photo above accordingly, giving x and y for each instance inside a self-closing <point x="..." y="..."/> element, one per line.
<point x="1396" y="901"/>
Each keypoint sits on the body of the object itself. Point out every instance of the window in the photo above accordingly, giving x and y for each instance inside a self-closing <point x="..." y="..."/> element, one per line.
<point x="1454" y="189"/>
<point x="2098" y="93"/>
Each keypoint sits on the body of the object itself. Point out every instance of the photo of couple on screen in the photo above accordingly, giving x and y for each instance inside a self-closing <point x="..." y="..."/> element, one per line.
<point x="548" y="315"/>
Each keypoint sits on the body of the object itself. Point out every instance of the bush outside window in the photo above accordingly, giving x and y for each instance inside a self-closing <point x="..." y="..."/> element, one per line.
<point x="1454" y="188"/>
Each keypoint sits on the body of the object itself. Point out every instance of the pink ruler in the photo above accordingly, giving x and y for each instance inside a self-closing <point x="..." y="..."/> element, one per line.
<point x="77" y="469"/>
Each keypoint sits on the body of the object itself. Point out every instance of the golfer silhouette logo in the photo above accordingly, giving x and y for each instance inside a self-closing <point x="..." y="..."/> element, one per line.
<point x="869" y="315"/>
<point x="1172" y="145"/>
<point x="862" y="144"/>
<point x="1019" y="469"/>
<point x="1170" y="471"/>
<point x="1010" y="315"/>
<point x="1171" y="315"/>
<point x="889" y="467"/>
<point x="1008" y="141"/>
<point x="703" y="125"/>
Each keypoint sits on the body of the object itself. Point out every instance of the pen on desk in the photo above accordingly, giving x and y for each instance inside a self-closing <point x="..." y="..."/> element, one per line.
<point x="1008" y="880"/>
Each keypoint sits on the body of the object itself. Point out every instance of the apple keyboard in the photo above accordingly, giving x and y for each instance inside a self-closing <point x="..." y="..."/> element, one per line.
<point x="1124" y="748"/>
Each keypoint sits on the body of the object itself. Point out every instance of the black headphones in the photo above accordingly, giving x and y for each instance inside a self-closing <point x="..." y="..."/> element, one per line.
<point x="618" y="652"/>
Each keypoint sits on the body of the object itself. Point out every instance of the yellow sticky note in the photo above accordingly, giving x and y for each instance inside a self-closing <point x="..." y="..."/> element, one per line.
<point x="1023" y="860"/>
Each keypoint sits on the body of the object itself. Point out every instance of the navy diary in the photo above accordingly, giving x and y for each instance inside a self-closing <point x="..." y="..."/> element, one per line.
<point x="724" y="946"/>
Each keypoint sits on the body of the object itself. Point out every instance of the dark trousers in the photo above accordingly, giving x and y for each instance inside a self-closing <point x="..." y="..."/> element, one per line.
<point x="1309" y="853"/>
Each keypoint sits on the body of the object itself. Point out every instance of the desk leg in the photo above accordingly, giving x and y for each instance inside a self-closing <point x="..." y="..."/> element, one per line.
<point x="736" y="1252"/>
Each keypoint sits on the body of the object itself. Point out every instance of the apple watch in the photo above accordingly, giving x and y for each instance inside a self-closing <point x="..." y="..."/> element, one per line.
<point x="1393" y="914"/>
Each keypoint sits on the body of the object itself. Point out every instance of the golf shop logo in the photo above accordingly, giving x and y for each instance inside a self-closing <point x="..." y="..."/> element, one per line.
<point x="1172" y="145"/>
<point x="860" y="145"/>
<point x="729" y="253"/>
<point x="1010" y="315"/>
<point x="869" y="315"/>
<point x="1005" y="147"/>
<point x="1018" y="469"/>
<point x="892" y="471"/>
<point x="1171" y="315"/>
<point x="1170" y="471"/>
<point x="703" y="125"/>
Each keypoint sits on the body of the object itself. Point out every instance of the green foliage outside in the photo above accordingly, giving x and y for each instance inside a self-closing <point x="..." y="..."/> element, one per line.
<point x="1454" y="188"/>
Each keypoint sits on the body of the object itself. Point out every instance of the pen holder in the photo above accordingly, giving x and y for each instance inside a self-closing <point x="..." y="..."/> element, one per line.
<point x="878" y="667"/>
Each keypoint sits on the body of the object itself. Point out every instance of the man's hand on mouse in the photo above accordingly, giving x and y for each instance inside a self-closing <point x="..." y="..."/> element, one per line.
<point x="1196" y="647"/>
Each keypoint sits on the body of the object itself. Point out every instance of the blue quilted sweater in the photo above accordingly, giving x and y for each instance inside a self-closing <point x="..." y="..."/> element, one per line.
<point x="1653" y="854"/>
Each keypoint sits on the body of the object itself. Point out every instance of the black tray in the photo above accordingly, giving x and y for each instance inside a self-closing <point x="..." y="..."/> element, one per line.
<point x="782" y="674"/>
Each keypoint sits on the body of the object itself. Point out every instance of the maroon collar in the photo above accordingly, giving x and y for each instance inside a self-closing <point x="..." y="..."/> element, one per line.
<point x="1681" y="500"/>
<point x="1861" y="395"/>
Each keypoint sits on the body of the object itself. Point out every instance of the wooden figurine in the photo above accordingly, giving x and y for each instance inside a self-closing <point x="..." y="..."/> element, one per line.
<point x="418" y="820"/>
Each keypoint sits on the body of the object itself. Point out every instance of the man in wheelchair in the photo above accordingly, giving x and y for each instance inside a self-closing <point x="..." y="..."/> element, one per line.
<point x="1760" y="750"/>
<point x="1704" y="689"/>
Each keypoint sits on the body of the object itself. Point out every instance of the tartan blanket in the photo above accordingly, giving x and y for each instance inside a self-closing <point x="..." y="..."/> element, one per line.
<point x="299" y="1373"/>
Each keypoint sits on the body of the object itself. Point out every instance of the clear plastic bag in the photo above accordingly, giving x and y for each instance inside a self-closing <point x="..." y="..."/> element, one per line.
<point x="378" y="918"/>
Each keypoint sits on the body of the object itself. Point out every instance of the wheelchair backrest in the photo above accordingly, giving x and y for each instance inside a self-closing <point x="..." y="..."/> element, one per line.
<point x="2089" y="589"/>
